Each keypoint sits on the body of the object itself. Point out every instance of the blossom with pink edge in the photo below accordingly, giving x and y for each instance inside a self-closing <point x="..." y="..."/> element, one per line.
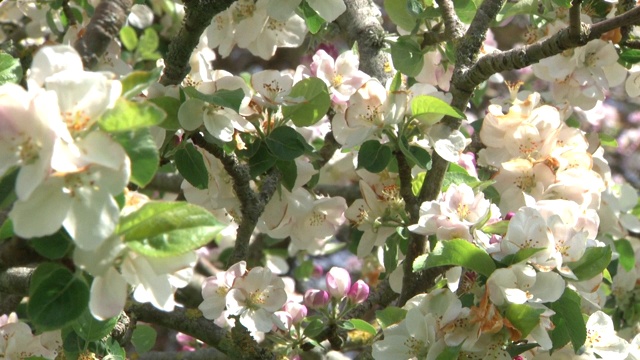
<point x="341" y="75"/>
<point x="315" y="299"/>
<point x="359" y="292"/>
<point x="338" y="282"/>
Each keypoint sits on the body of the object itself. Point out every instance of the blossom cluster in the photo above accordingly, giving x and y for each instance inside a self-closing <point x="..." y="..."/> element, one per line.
<point x="17" y="341"/>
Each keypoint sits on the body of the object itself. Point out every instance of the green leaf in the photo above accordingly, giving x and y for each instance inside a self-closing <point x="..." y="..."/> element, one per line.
<point x="143" y="153"/>
<point x="523" y="317"/>
<point x="289" y="173"/>
<point x="311" y="17"/>
<point x="568" y="321"/>
<point x="314" y="328"/>
<point x="457" y="252"/>
<point x="129" y="38"/>
<point x="521" y="255"/>
<point x="170" y="105"/>
<point x="458" y="178"/>
<point x="450" y="353"/>
<point x="7" y="188"/>
<point x="362" y="326"/>
<point x="466" y="10"/>
<point x="416" y="183"/>
<point x="10" y="69"/>
<point x="286" y="144"/>
<point x="129" y="115"/>
<point x="190" y="164"/>
<point x="391" y="253"/>
<point x="91" y="329"/>
<point x="304" y="270"/>
<point x="137" y="81"/>
<point x="399" y="13"/>
<point x="162" y="229"/>
<point x="390" y="315"/>
<point x="261" y="161"/>
<point x="515" y="349"/>
<point x="407" y="56"/>
<point x="592" y="263"/>
<point x="627" y="257"/>
<point x="226" y="98"/>
<point x="630" y="56"/>
<point x="414" y="155"/>
<point x="423" y="105"/>
<point x="143" y="338"/>
<point x="148" y="44"/>
<point x="518" y="8"/>
<point x="6" y="230"/>
<point x="608" y="140"/>
<point x="56" y="297"/>
<point x="373" y="156"/>
<point x="54" y="246"/>
<point x="315" y="105"/>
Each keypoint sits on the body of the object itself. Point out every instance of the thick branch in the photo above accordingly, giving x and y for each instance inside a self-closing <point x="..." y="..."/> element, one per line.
<point x="108" y="19"/>
<point x="198" y="15"/>
<point x="360" y="24"/>
<point x="519" y="58"/>
<point x="251" y="203"/>
<point x="454" y="29"/>
<point x="201" y="354"/>
<point x="16" y="280"/>
<point x="470" y="44"/>
<point x="189" y="322"/>
<point x="574" y="18"/>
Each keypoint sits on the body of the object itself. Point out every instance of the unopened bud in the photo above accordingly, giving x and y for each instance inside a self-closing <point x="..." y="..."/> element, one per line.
<point x="338" y="282"/>
<point x="316" y="299"/>
<point x="359" y="292"/>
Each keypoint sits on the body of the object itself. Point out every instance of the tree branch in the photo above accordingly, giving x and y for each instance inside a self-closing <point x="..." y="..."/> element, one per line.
<point x="454" y="29"/>
<point x="183" y="320"/>
<point x="359" y="23"/>
<point x="108" y="19"/>
<point x="251" y="203"/>
<point x="575" y="25"/>
<point x="198" y="15"/>
<point x="200" y="354"/>
<point x="470" y="44"/>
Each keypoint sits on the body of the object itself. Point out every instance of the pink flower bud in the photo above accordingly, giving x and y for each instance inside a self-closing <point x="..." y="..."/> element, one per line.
<point x="359" y="292"/>
<point x="338" y="282"/>
<point x="297" y="311"/>
<point x="317" y="271"/>
<point x="316" y="299"/>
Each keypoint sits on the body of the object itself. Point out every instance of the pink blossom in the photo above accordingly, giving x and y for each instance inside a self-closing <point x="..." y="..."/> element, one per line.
<point x="338" y="282"/>
<point x="316" y="299"/>
<point x="359" y="292"/>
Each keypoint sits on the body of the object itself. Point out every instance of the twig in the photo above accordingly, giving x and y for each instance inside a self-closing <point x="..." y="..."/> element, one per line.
<point x="454" y="29"/>
<point x="198" y="15"/>
<point x="327" y="150"/>
<point x="189" y="322"/>
<point x="251" y="203"/>
<point x="359" y="23"/>
<point x="470" y="44"/>
<point x="66" y="9"/>
<point x="574" y="18"/>
<point x="200" y="354"/>
<point x="108" y="19"/>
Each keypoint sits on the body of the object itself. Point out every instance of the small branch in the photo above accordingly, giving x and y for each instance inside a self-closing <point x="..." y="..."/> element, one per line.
<point x="575" y="25"/>
<point x="108" y="19"/>
<point x="519" y="58"/>
<point x="434" y="37"/>
<point x="16" y="280"/>
<point x="360" y="24"/>
<point x="198" y="15"/>
<point x="200" y="354"/>
<point x="251" y="203"/>
<point x="470" y="44"/>
<point x="189" y="322"/>
<point x="624" y="6"/>
<point x="327" y="150"/>
<point x="66" y="9"/>
<point x="454" y="29"/>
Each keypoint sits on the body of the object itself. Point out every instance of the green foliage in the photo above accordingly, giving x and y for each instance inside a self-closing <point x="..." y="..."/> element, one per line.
<point x="466" y="10"/>
<point x="143" y="338"/>
<point x="91" y="329"/>
<point x="398" y="11"/>
<point x="289" y="173"/>
<point x="390" y="315"/>
<point x="314" y="328"/>
<point x="373" y="156"/>
<point x="10" y="69"/>
<point x="311" y="18"/>
<point x="190" y="164"/>
<point x="521" y="255"/>
<point x="313" y="107"/>
<point x="54" y="246"/>
<point x="424" y="105"/>
<point x="362" y="326"/>
<point x="162" y="229"/>
<point x="129" y="37"/>
<point x="137" y="81"/>
<point x="456" y="252"/>
<point x="286" y="144"/>
<point x="226" y="98"/>
<point x="143" y="153"/>
<point x="304" y="270"/>
<point x="56" y="297"/>
<point x="568" y="321"/>
<point x="524" y="317"/>
<point x="148" y="44"/>
<point x="170" y="105"/>
<point x="262" y="160"/>
<point x="592" y="263"/>
<point x="414" y="154"/>
<point x="407" y="55"/>
<point x="129" y="115"/>
<point x="627" y="257"/>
